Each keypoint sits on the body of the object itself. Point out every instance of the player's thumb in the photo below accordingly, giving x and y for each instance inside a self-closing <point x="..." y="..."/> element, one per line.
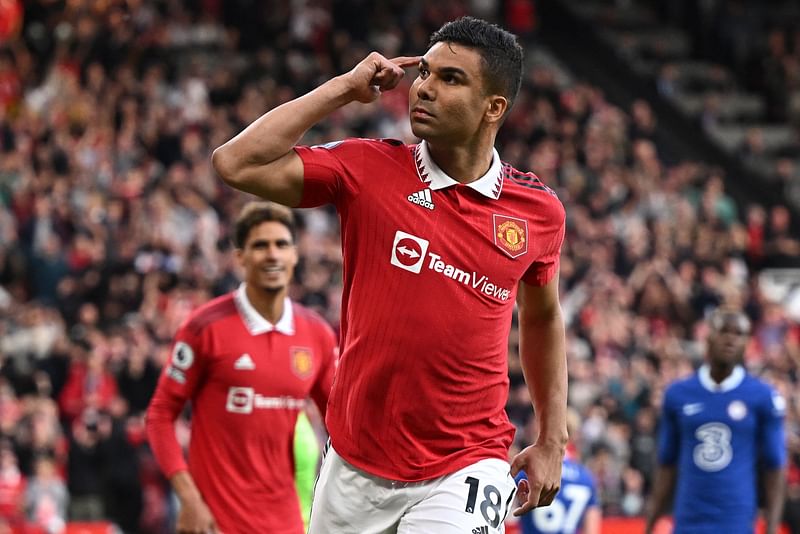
<point x="517" y="465"/>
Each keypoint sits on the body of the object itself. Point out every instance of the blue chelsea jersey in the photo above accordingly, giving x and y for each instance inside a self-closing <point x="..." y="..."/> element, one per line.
<point x="565" y="514"/>
<point x="718" y="436"/>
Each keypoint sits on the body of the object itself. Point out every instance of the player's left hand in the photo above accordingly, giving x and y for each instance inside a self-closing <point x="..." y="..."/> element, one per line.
<point x="542" y="465"/>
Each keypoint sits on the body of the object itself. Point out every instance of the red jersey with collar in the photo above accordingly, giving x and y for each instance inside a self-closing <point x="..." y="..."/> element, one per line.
<point x="431" y="269"/>
<point x="246" y="386"/>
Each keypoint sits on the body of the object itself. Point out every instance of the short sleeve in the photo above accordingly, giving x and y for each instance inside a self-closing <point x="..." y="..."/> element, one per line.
<point x="330" y="172"/>
<point x="545" y="267"/>
<point x="668" y="438"/>
<point x="773" y="448"/>
<point x="593" y="499"/>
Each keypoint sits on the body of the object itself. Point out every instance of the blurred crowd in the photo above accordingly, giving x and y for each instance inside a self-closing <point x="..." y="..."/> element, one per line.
<point x="759" y="40"/>
<point x="758" y="43"/>
<point x="113" y="227"/>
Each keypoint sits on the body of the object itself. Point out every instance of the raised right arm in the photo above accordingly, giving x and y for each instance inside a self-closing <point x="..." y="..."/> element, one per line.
<point x="260" y="160"/>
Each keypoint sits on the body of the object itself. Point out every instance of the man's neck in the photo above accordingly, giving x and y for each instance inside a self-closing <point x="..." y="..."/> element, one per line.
<point x="463" y="164"/>
<point x="719" y="372"/>
<point x="268" y="304"/>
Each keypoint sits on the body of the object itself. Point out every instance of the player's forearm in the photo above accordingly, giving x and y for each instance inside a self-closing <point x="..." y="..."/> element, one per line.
<point x="276" y="132"/>
<point x="774" y="497"/>
<point x="664" y="486"/>
<point x="592" y="521"/>
<point x="544" y="364"/>
<point x="184" y="487"/>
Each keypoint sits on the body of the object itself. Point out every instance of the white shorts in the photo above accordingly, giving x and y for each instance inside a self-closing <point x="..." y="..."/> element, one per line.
<point x="474" y="500"/>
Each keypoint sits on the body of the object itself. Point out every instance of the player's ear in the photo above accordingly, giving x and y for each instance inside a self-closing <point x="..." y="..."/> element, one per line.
<point x="496" y="109"/>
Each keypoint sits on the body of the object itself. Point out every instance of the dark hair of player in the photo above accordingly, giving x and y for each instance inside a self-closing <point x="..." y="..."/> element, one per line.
<point x="501" y="53"/>
<point x="255" y="213"/>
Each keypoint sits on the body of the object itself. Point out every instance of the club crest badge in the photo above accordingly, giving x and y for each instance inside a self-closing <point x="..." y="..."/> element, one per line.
<point x="737" y="410"/>
<point x="511" y="235"/>
<point x="302" y="361"/>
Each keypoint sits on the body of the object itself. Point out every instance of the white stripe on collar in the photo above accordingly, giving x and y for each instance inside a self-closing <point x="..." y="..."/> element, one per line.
<point x="489" y="185"/>
<point x="255" y="322"/>
<point x="732" y="382"/>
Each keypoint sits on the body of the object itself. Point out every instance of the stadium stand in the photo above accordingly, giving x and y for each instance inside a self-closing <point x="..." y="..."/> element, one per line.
<point x="732" y="67"/>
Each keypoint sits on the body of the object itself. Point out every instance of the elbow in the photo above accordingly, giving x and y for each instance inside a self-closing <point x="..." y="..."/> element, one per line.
<point x="158" y="415"/>
<point x="774" y="463"/>
<point x="151" y="419"/>
<point x="224" y="164"/>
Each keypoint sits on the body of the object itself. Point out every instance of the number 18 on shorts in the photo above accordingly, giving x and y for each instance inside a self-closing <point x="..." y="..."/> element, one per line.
<point x="473" y="500"/>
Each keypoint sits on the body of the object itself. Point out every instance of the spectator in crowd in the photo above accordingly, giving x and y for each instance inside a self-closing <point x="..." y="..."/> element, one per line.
<point x="46" y="497"/>
<point x="12" y="486"/>
<point x="85" y="466"/>
<point x="90" y="385"/>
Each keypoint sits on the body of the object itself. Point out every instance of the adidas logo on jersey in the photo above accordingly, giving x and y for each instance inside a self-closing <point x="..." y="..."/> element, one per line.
<point x="480" y="530"/>
<point x="244" y="363"/>
<point x="422" y="198"/>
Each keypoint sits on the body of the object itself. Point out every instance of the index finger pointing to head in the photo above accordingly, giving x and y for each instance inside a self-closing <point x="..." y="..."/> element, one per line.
<point x="406" y="61"/>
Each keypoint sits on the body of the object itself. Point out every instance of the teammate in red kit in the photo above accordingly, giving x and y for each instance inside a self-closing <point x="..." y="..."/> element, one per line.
<point x="439" y="239"/>
<point x="247" y="361"/>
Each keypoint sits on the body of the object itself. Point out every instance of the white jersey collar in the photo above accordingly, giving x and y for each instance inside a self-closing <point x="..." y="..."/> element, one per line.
<point x="255" y="322"/>
<point x="732" y="382"/>
<point x="489" y="185"/>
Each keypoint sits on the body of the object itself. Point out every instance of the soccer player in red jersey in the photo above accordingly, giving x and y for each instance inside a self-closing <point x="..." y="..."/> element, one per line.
<point x="247" y="361"/>
<point x="439" y="240"/>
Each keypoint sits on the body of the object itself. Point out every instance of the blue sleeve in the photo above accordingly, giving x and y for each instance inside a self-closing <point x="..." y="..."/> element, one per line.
<point x="773" y="444"/>
<point x="593" y="500"/>
<point x="520" y="476"/>
<point x="668" y="434"/>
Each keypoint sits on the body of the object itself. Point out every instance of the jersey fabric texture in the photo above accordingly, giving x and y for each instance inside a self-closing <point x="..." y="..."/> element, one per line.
<point x="247" y="380"/>
<point x="719" y="436"/>
<point x="430" y="281"/>
<point x="565" y="514"/>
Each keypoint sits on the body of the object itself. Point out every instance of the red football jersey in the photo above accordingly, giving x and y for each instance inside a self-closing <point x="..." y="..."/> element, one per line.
<point x="431" y="269"/>
<point x="247" y="380"/>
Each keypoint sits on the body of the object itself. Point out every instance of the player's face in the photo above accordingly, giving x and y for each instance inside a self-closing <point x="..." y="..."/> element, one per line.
<point x="728" y="340"/>
<point x="269" y="256"/>
<point x="448" y="99"/>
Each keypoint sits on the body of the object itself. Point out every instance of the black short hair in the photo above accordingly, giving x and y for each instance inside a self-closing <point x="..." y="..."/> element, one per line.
<point x="255" y="213"/>
<point x="501" y="53"/>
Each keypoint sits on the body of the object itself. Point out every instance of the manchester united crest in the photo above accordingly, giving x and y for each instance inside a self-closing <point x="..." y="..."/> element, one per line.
<point x="302" y="361"/>
<point x="511" y="235"/>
